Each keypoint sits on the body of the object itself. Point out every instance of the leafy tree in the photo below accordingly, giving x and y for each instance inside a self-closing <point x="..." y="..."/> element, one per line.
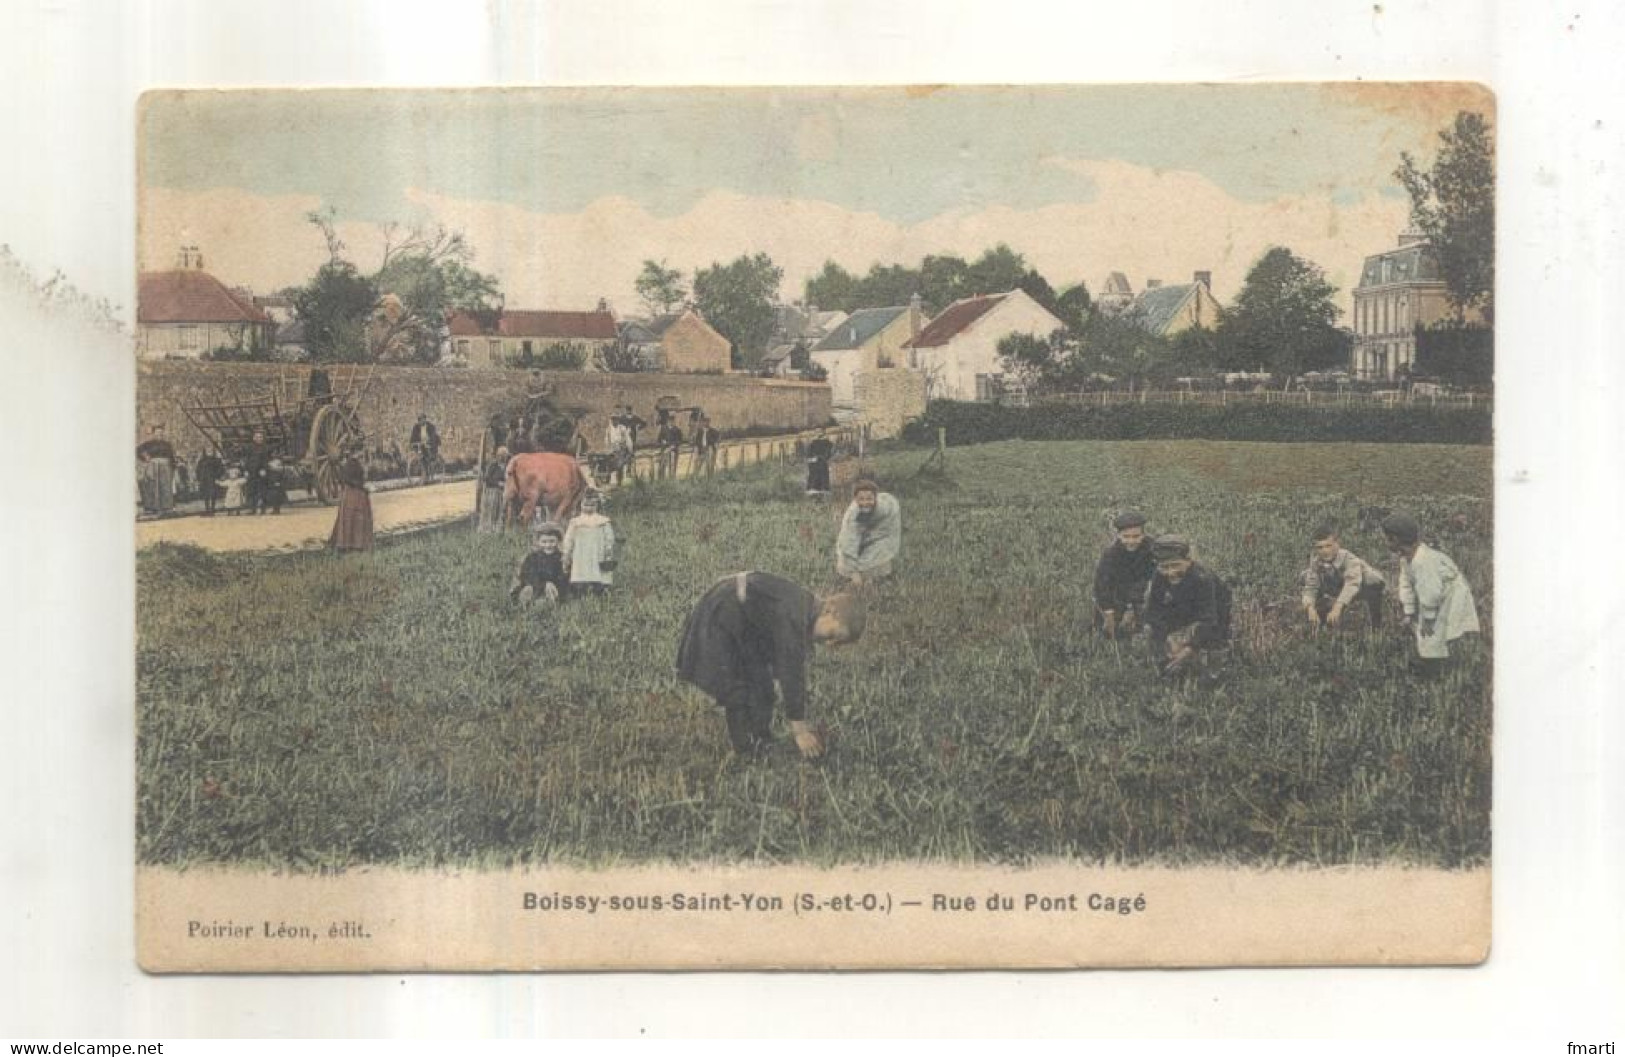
<point x="1283" y="319"/>
<point x="399" y="313"/>
<point x="943" y="280"/>
<point x="739" y="300"/>
<point x="335" y="306"/>
<point x="1454" y="205"/>
<point x="1119" y="350"/>
<point x="995" y="271"/>
<point x="620" y="357"/>
<point x="890" y="284"/>
<point x="1031" y="358"/>
<point x="661" y="288"/>
<point x="833" y="288"/>
<point x="1074" y="307"/>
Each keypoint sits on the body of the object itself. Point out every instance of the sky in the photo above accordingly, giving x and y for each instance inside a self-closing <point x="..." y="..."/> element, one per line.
<point x="562" y="193"/>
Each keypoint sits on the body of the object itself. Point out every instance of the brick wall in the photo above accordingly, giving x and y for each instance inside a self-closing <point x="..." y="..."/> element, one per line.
<point x="889" y="397"/>
<point x="460" y="401"/>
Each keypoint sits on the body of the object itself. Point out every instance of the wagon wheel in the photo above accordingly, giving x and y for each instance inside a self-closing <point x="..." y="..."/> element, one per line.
<point x="331" y="432"/>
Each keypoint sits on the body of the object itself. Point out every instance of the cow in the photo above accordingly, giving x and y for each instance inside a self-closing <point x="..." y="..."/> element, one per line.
<point x="550" y="478"/>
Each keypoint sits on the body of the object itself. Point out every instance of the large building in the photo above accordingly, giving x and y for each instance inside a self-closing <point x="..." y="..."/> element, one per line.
<point x="1398" y="291"/>
<point x="518" y="336"/>
<point x="186" y="313"/>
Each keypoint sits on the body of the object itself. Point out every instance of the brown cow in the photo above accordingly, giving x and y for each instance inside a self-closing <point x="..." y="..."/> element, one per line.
<point x="552" y="479"/>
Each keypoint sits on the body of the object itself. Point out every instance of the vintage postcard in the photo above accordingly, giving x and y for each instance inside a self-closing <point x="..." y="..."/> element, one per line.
<point x="853" y="528"/>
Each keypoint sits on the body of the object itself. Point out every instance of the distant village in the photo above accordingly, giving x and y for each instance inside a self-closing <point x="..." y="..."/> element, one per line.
<point x="188" y="313"/>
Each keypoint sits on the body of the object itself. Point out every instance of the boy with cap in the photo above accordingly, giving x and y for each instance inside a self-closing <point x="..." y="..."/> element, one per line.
<point x="1187" y="608"/>
<point x="752" y="629"/>
<point x="1336" y="578"/>
<point x="541" y="574"/>
<point x="1437" y="601"/>
<point x="1122" y="575"/>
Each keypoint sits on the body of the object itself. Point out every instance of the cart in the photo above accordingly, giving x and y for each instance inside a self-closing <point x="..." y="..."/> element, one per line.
<point x="309" y="425"/>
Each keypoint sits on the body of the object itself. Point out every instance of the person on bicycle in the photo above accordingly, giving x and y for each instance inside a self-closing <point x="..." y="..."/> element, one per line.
<point x="425" y="445"/>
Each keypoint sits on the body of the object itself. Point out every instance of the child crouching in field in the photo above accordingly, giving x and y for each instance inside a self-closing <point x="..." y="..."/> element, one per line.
<point x="1437" y="600"/>
<point x="1122" y="575"/>
<point x="1335" y="579"/>
<point x="589" y="548"/>
<point x="540" y="576"/>
<point x="1187" y="610"/>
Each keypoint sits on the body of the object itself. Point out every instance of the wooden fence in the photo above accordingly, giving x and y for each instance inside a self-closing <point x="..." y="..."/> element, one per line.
<point x="1296" y="397"/>
<point x="782" y="448"/>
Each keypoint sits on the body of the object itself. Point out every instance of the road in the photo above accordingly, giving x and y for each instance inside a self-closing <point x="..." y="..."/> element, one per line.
<point x="307" y="526"/>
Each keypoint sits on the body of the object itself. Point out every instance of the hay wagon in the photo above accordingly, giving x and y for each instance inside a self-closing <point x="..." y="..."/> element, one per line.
<point x="309" y="425"/>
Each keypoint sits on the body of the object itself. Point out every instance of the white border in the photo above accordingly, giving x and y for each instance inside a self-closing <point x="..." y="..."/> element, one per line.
<point x="73" y="68"/>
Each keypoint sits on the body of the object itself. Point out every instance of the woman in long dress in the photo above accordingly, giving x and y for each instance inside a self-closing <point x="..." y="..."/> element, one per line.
<point x="352" y="530"/>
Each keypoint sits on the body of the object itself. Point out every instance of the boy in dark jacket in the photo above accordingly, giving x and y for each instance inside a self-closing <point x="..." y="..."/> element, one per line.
<point x="750" y="630"/>
<point x="1122" y="575"/>
<point x="1187" y="609"/>
<point x="541" y="575"/>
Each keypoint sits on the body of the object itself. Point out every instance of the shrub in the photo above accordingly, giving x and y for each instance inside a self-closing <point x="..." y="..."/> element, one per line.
<point x="974" y="423"/>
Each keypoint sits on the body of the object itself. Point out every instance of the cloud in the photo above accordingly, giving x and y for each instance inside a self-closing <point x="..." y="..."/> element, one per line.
<point x="1145" y="222"/>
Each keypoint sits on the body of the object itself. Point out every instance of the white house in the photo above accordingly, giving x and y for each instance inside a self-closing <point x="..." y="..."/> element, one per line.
<point x="866" y="340"/>
<point x="959" y="349"/>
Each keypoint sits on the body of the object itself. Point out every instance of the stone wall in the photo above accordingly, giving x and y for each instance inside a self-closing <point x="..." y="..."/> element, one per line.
<point x="460" y="401"/>
<point x="888" y="397"/>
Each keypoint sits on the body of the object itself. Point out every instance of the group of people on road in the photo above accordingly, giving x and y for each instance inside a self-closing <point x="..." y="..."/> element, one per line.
<point x="256" y="483"/>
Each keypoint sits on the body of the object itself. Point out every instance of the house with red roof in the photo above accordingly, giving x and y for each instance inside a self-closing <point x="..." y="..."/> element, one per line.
<point x="186" y="313"/>
<point x="518" y="336"/>
<point x="959" y="349"/>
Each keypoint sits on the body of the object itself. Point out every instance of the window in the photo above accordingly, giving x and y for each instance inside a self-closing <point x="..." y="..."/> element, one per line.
<point x="462" y="347"/>
<point x="188" y="338"/>
<point x="493" y="348"/>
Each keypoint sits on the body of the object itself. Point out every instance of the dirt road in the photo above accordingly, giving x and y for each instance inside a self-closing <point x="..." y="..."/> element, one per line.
<point x="306" y="526"/>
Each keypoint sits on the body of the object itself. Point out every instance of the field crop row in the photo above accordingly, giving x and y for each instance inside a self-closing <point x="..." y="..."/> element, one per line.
<point x="316" y="711"/>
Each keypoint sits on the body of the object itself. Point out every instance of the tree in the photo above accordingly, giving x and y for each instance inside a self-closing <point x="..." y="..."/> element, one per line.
<point x="1074" y="308"/>
<point x="661" y="288"/>
<point x="739" y="299"/>
<point x="1453" y="203"/>
<point x="943" y="280"/>
<point x="335" y="306"/>
<point x="1031" y="358"/>
<point x="833" y="288"/>
<point x="1283" y="319"/>
<point x="399" y="313"/>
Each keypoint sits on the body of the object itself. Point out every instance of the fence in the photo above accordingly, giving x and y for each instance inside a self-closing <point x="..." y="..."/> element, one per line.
<point x="782" y="448"/>
<point x="1294" y="398"/>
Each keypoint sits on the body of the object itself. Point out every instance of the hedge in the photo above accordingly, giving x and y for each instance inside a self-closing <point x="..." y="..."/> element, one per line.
<point x="969" y="423"/>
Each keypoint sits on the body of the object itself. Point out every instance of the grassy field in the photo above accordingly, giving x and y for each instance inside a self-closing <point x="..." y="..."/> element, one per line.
<point x="314" y="711"/>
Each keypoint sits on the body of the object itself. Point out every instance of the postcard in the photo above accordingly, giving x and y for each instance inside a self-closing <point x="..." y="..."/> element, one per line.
<point x="837" y="528"/>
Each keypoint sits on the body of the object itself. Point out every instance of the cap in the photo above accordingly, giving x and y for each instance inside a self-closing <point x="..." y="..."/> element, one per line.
<point x="1401" y="527"/>
<point x="1164" y="548"/>
<point x="548" y="529"/>
<point x="1128" y="519"/>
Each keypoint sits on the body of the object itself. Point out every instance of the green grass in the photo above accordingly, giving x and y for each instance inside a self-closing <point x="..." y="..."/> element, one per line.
<point x="313" y="711"/>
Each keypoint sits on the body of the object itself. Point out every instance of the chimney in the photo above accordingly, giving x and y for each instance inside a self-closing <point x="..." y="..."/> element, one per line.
<point x="914" y="316"/>
<point x="603" y="305"/>
<point x="1152" y="284"/>
<point x="1412" y="235"/>
<point x="1203" y="278"/>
